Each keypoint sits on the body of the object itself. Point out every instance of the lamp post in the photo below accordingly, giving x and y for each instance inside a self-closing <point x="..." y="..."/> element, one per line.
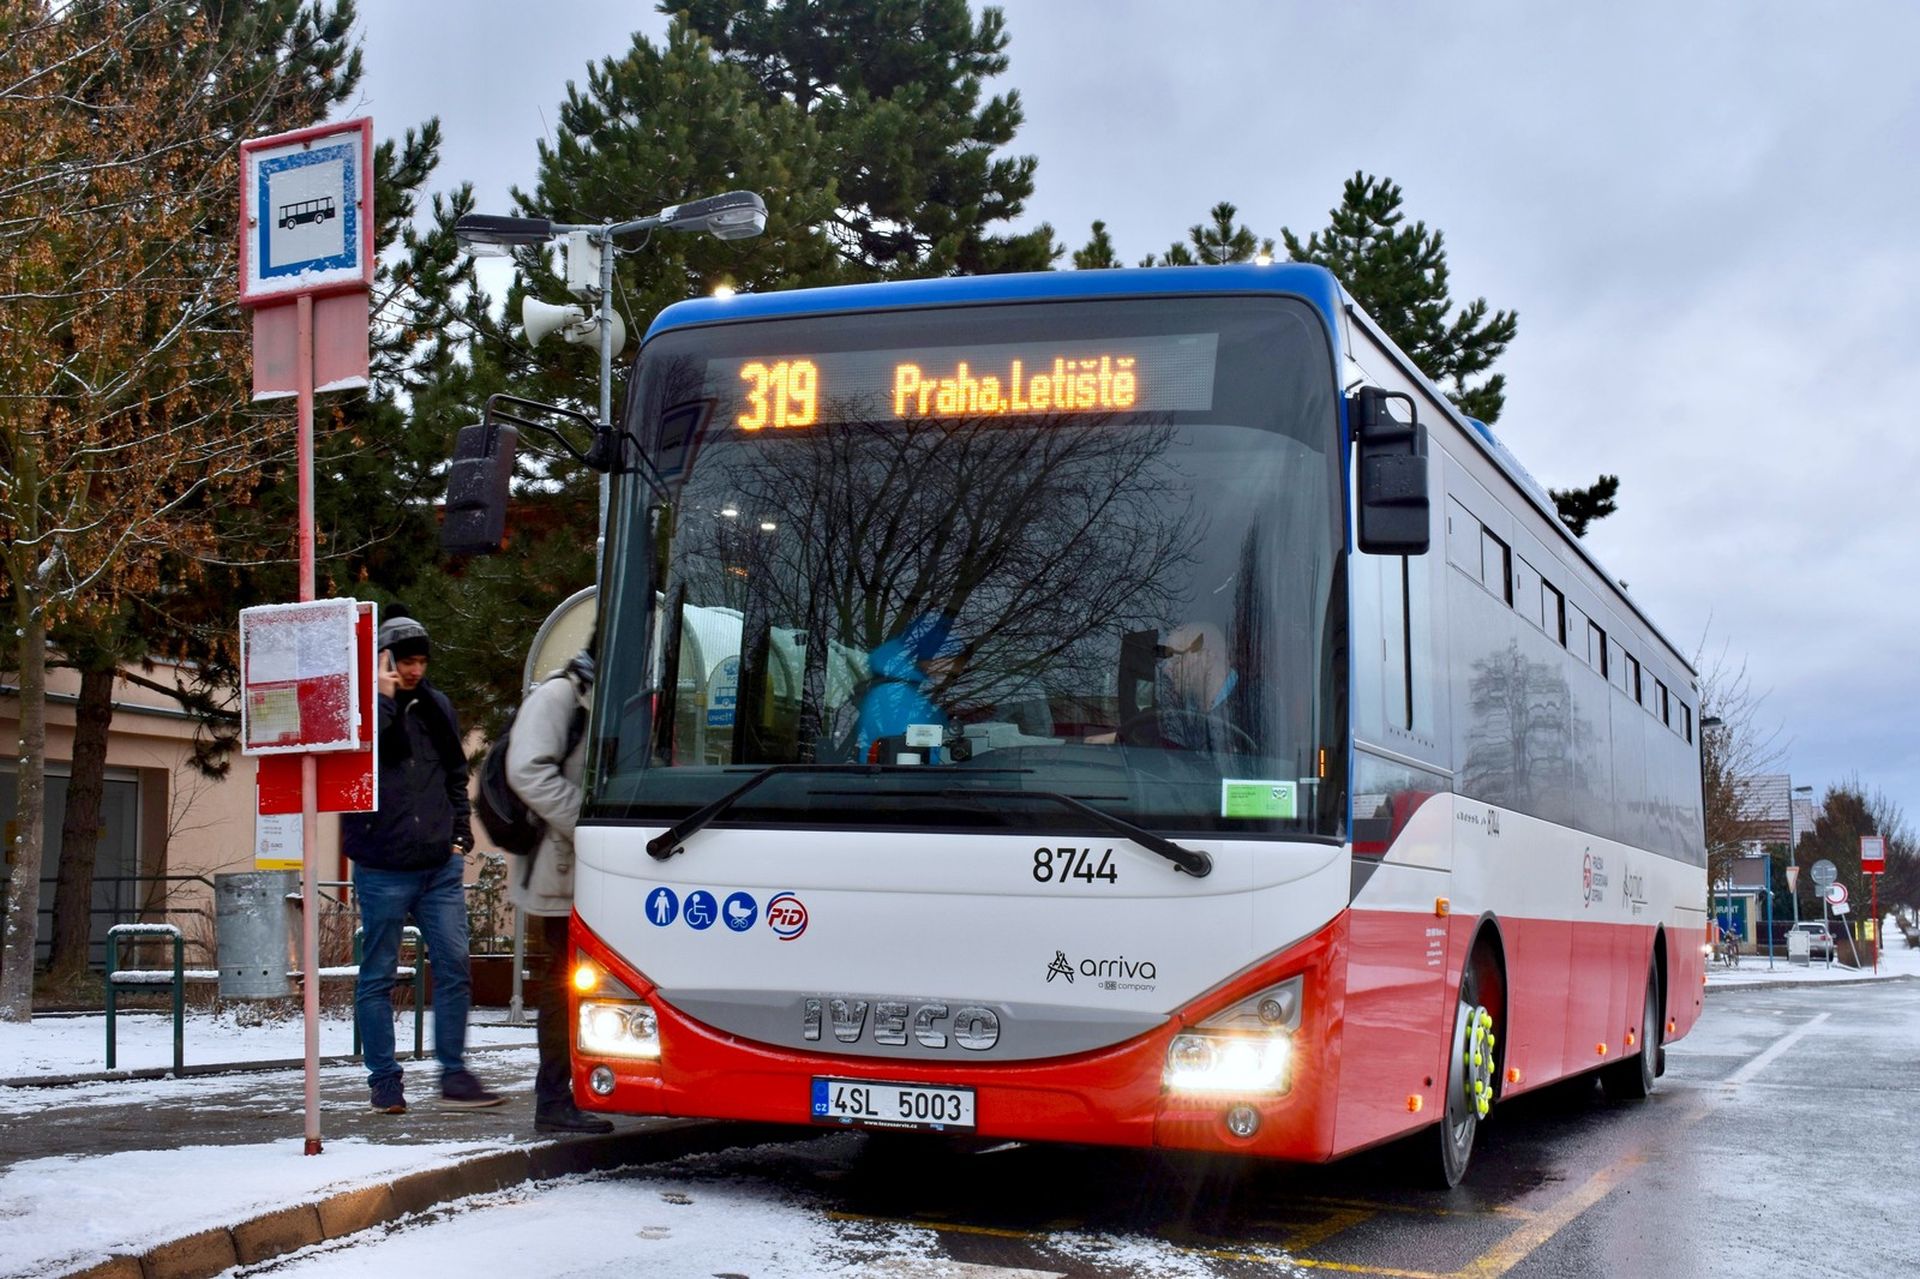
<point x="737" y="215"/>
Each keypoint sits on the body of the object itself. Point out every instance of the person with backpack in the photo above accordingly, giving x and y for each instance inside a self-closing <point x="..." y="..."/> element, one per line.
<point x="408" y="858"/>
<point x="545" y="757"/>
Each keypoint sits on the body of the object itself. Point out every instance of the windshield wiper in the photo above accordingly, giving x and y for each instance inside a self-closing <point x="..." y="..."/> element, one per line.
<point x="1191" y="860"/>
<point x="669" y="841"/>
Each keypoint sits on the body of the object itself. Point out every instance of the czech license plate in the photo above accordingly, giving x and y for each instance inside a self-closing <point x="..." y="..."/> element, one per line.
<point x="862" y="1101"/>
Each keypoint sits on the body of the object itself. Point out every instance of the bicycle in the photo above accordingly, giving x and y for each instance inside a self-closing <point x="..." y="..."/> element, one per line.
<point x="1727" y="952"/>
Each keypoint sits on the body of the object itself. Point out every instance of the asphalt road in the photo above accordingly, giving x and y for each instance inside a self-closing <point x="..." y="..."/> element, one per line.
<point x="1780" y="1143"/>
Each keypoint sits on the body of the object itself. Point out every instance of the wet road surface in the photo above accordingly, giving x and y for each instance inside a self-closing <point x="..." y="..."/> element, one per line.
<point x="1780" y="1142"/>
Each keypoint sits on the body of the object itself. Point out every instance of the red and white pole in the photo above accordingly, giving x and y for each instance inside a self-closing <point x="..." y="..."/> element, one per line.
<point x="309" y="812"/>
<point x="1878" y="923"/>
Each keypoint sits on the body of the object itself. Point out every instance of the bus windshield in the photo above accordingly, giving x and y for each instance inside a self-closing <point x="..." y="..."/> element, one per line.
<point x="1085" y="548"/>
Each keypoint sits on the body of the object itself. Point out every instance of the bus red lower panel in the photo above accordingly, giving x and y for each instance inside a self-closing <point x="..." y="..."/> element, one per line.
<point x="1571" y="1003"/>
<point x="1109" y="1097"/>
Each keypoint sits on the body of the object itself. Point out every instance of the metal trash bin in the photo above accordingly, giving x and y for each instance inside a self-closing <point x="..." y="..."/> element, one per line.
<point x="250" y="915"/>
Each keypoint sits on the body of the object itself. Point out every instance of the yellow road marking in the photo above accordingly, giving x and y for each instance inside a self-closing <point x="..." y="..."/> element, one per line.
<point x="1522" y="1243"/>
<point x="1492" y="1210"/>
<point x="1336" y="1220"/>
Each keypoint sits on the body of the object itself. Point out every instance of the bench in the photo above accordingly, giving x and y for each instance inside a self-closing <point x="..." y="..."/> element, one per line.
<point x="179" y="975"/>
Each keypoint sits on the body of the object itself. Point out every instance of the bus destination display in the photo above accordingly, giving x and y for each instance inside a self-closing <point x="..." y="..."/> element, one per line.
<point x="1138" y="375"/>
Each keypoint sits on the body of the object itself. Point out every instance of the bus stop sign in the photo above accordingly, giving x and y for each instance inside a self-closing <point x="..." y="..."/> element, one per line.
<point x="1873" y="854"/>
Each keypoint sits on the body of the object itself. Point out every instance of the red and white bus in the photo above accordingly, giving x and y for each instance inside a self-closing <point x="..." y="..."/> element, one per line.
<point x="1120" y="707"/>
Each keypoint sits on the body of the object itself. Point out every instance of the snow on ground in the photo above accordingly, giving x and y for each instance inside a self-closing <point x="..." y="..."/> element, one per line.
<point x="1896" y="960"/>
<point x="235" y="1034"/>
<point x="59" y="1213"/>
<point x="735" y="1212"/>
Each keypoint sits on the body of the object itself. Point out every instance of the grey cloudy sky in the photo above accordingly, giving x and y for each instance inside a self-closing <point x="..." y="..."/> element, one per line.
<point x="1704" y="215"/>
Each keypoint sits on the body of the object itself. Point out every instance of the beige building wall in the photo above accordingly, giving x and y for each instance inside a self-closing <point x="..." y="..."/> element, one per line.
<point x="186" y="828"/>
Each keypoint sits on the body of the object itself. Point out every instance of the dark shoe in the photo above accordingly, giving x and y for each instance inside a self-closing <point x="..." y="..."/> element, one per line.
<point x="568" y="1117"/>
<point x="388" y="1099"/>
<point x="459" y="1090"/>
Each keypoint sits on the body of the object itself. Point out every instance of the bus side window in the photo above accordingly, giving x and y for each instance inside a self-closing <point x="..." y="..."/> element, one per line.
<point x="1393" y="638"/>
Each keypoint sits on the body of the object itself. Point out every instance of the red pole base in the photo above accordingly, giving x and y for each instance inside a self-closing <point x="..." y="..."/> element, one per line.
<point x="313" y="1146"/>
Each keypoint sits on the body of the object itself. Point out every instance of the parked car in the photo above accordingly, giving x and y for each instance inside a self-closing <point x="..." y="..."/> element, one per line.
<point x="1819" y="940"/>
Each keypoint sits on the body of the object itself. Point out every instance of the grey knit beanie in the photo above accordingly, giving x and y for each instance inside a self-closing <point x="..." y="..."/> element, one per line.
<point x="402" y="633"/>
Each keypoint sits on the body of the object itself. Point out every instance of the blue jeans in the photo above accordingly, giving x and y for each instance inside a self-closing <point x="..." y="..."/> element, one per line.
<point x="439" y="907"/>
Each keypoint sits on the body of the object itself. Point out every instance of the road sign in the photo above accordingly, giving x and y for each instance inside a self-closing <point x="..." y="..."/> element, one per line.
<point x="1841" y="908"/>
<point x="1837" y="894"/>
<point x="1824" y="874"/>
<point x="1873" y="854"/>
<point x="306" y="212"/>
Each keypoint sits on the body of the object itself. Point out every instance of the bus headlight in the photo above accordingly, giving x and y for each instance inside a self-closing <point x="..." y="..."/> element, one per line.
<point x="618" y="1030"/>
<point x="1246" y="1048"/>
<point x="1206" y="1063"/>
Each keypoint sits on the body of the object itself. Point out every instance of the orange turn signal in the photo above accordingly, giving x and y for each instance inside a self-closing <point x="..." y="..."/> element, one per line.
<point x="1441" y="906"/>
<point x="1600" y="1049"/>
<point x="1414" y="1102"/>
<point x="1513" y="1074"/>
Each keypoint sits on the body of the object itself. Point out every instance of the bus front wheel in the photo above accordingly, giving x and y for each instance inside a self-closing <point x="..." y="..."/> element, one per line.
<point x="1470" y="1076"/>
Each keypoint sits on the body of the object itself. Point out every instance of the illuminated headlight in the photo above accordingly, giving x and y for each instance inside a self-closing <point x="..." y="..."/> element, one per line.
<point x="1228" y="1063"/>
<point x="1706" y="949"/>
<point x="618" y="1030"/>
<point x="1245" y="1048"/>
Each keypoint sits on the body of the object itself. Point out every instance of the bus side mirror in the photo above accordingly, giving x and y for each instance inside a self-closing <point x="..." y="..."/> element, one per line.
<point x="475" y="518"/>
<point x="1391" y="475"/>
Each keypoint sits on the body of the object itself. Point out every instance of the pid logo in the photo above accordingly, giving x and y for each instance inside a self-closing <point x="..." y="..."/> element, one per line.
<point x="787" y="916"/>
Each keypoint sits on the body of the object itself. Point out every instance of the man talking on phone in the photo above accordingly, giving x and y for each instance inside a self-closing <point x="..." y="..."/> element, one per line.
<point x="407" y="858"/>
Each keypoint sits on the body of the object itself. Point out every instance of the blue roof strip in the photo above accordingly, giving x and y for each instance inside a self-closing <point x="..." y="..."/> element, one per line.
<point x="1313" y="283"/>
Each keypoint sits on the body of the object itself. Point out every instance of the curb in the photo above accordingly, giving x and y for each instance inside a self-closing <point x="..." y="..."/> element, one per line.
<point x="284" y="1230"/>
<point x="1808" y="985"/>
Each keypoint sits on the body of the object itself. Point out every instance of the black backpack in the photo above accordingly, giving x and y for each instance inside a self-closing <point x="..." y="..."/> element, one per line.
<point x="509" y="823"/>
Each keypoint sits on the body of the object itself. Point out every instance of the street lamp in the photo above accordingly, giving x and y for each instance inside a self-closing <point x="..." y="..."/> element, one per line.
<point x="737" y="215"/>
<point x="1792" y="870"/>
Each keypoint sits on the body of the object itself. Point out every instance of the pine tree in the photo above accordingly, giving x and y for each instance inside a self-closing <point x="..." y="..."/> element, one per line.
<point x="1099" y="253"/>
<point x="864" y="126"/>
<point x="1398" y="272"/>
<point x="1218" y="243"/>
<point x="891" y="90"/>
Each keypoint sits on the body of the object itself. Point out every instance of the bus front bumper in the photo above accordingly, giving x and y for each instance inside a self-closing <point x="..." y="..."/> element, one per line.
<point x="1113" y="1096"/>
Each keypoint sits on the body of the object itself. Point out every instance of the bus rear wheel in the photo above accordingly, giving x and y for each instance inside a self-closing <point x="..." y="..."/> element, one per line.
<point x="1632" y="1079"/>
<point x="1470" y="1080"/>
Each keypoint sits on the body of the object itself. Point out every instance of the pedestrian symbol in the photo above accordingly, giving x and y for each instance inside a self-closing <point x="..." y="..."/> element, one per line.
<point x="662" y="907"/>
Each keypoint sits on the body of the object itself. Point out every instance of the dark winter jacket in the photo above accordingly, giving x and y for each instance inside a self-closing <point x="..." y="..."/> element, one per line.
<point x="423" y="809"/>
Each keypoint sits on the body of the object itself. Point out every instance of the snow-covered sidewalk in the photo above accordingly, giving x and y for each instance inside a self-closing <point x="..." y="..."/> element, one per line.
<point x="1897" y="959"/>
<point x="77" y="1045"/>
